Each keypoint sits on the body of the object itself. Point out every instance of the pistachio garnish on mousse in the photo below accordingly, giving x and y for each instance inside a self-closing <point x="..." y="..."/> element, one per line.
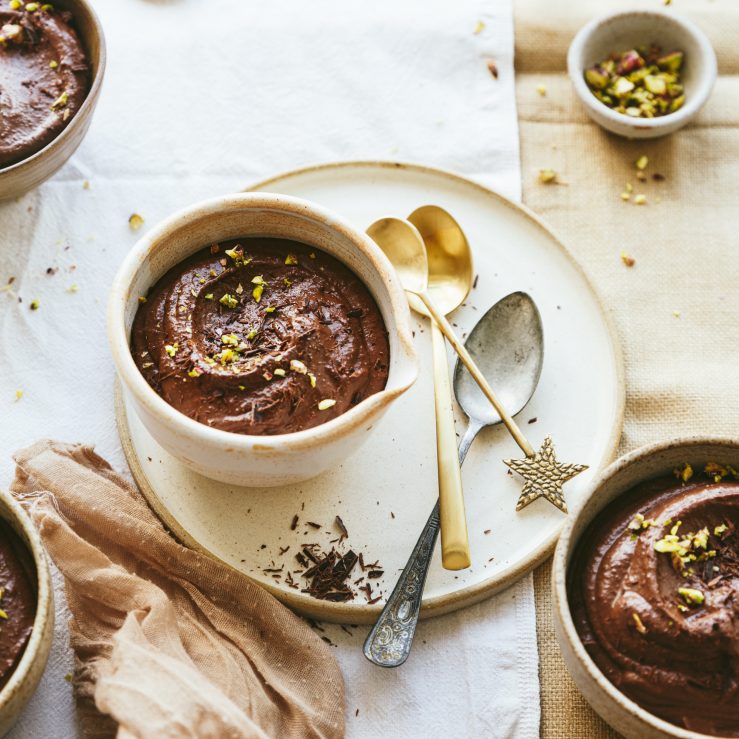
<point x="654" y="593"/>
<point x="261" y="336"/>
<point x="45" y="76"/>
<point x="641" y="83"/>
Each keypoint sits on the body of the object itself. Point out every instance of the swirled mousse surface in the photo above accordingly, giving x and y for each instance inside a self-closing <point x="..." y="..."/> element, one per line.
<point x="654" y="592"/>
<point x="17" y="603"/>
<point x="261" y="336"/>
<point x="44" y="78"/>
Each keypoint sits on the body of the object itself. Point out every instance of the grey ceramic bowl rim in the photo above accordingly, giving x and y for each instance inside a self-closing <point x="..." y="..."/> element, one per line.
<point x="560" y="601"/>
<point x="694" y="102"/>
<point x="89" y="102"/>
<point x="44" y="600"/>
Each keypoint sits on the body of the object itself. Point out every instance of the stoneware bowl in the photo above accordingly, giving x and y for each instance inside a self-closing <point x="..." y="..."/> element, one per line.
<point x="643" y="464"/>
<point x="621" y="31"/>
<point x="32" y="171"/>
<point x="19" y="689"/>
<point x="257" y="461"/>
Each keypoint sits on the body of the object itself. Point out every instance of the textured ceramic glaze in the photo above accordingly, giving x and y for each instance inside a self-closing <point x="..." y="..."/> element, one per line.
<point x="621" y="31"/>
<point x="32" y="171"/>
<point x="643" y="464"/>
<point x="24" y="680"/>
<point x="385" y="491"/>
<point x="256" y="461"/>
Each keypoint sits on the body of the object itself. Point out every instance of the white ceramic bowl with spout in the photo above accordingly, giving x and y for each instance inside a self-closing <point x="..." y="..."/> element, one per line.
<point x="240" y="459"/>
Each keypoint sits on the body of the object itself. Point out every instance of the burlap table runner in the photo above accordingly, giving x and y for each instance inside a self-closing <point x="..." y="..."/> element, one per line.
<point x="676" y="309"/>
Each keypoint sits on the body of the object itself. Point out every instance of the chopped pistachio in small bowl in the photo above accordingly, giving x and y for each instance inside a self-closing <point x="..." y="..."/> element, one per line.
<point x="642" y="74"/>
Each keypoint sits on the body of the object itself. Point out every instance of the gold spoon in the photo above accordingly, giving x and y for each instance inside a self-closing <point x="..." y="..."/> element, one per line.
<point x="450" y="281"/>
<point x="403" y="245"/>
<point x="449" y="275"/>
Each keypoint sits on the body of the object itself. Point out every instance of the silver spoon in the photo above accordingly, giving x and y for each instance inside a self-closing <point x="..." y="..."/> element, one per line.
<point x="507" y="344"/>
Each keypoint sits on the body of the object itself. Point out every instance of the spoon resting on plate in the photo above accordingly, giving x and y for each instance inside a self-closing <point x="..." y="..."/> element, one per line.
<point x="508" y="345"/>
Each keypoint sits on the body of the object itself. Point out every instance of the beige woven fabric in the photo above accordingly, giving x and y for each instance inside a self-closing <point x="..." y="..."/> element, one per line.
<point x="676" y="311"/>
<point x="167" y="642"/>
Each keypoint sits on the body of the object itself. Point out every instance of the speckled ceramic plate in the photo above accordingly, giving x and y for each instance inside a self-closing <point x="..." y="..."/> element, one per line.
<point x="385" y="492"/>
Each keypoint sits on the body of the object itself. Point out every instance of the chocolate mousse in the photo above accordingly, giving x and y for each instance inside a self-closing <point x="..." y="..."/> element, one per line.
<point x="261" y="336"/>
<point x="654" y="593"/>
<point x="44" y="77"/>
<point x="17" y="602"/>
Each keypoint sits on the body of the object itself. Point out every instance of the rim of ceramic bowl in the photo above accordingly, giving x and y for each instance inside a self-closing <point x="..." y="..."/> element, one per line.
<point x="297" y="440"/>
<point x="694" y="102"/>
<point x="560" y="565"/>
<point x="90" y="99"/>
<point x="44" y="597"/>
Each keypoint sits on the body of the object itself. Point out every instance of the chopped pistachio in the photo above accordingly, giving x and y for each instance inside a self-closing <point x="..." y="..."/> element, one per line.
<point x="230" y="339"/>
<point x="251" y="334"/>
<point x="135" y="221"/>
<point x="31" y="7"/>
<point x="286" y="282"/>
<point x="312" y="378"/>
<point x="195" y="372"/>
<point x="297" y="366"/>
<point x="542" y="90"/>
<point x="640" y="200"/>
<point x="257" y="292"/>
<point x="3" y="614"/>
<point x="291" y="259"/>
<point x="547" y="176"/>
<point x="675" y="528"/>
<point x="47" y="7"/>
<point x="640" y="627"/>
<point x="258" y="280"/>
<point x="629" y="187"/>
<point x="15" y="4"/>
<point x="172" y="349"/>
<point x="638" y="82"/>
<point x="642" y="162"/>
<point x="34" y="305"/>
<point x="326" y="404"/>
<point x="627" y="259"/>
<point x="479" y="27"/>
<point x="270" y="309"/>
<point x="667" y="545"/>
<point x="60" y="102"/>
<point x="700" y="540"/>
<point x="142" y="299"/>
<point x="625" y="196"/>
<point x="279" y="372"/>
<point x="236" y="253"/>
<point x="312" y="255"/>
<point x="718" y="530"/>
<point x="228" y="300"/>
<point x="73" y="288"/>
<point x="18" y="394"/>
<point x="676" y="313"/>
<point x="692" y="596"/>
<point x="208" y="296"/>
<point x="684" y="473"/>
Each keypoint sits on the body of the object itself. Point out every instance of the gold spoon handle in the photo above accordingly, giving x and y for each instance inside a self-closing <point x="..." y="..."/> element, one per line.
<point x="455" y="546"/>
<point x="469" y="363"/>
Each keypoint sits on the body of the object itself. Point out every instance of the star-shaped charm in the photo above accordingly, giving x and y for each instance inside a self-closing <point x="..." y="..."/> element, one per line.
<point x="544" y="476"/>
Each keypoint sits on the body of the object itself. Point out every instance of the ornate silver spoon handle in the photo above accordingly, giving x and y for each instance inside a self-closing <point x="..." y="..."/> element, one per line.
<point x="389" y="643"/>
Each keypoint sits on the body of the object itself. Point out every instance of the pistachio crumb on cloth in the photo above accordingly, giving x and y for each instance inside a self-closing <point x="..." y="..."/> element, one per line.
<point x="167" y="642"/>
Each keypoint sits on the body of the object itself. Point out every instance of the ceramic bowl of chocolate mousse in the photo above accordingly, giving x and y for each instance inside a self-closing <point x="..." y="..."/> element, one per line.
<point x="259" y="338"/>
<point x="52" y="61"/>
<point x="645" y="586"/>
<point x="26" y="610"/>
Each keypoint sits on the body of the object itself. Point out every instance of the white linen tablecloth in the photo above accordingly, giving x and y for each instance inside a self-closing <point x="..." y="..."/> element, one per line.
<point x="204" y="98"/>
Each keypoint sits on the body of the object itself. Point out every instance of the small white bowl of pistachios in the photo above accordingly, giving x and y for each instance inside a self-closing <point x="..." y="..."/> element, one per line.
<point x="642" y="74"/>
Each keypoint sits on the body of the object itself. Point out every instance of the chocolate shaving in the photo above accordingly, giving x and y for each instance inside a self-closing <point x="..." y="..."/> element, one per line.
<point x="341" y="526"/>
<point x="375" y="573"/>
<point x="329" y="574"/>
<point x="313" y="524"/>
<point x="294" y="524"/>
